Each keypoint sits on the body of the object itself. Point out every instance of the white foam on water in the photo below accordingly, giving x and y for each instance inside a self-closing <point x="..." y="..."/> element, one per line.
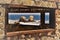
<point x="47" y="22"/>
<point x="37" y="22"/>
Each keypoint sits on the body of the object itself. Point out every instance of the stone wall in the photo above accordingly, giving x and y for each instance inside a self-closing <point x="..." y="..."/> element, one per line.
<point x="30" y="3"/>
<point x="26" y="2"/>
<point x="2" y="22"/>
<point x="58" y="23"/>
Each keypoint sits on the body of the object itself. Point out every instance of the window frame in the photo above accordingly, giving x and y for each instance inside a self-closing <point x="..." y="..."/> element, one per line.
<point x="41" y="10"/>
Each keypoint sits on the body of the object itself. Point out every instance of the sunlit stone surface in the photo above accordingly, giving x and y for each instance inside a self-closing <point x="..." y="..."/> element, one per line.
<point x="29" y="2"/>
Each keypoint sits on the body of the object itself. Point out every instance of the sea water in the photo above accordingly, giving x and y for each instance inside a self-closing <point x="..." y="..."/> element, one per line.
<point x="15" y="17"/>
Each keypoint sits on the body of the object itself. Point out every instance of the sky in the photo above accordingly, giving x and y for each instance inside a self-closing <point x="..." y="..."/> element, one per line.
<point x="24" y="13"/>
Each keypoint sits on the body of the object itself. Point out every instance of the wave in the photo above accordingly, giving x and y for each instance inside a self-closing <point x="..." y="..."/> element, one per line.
<point x="13" y="21"/>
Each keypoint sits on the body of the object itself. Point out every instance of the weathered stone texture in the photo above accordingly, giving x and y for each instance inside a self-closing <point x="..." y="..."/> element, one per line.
<point x="58" y="23"/>
<point x="29" y="2"/>
<point x="2" y="22"/>
<point x="5" y="1"/>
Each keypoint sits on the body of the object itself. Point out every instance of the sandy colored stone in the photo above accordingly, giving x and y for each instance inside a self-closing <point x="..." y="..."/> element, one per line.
<point x="57" y="14"/>
<point x="27" y="38"/>
<point x="50" y="0"/>
<point x="2" y="39"/>
<point x="33" y="38"/>
<point x="47" y="4"/>
<point x="1" y="32"/>
<point x="2" y="11"/>
<point x="44" y="38"/>
<point x="54" y="0"/>
<point x="8" y="38"/>
<point x="2" y="19"/>
<point x="2" y="26"/>
<point x="2" y="22"/>
<point x="57" y="25"/>
<point x="2" y="1"/>
<point x="23" y="2"/>
<point x="27" y="2"/>
<point x="57" y="33"/>
<point x="58" y="19"/>
<point x="5" y="1"/>
<point x="8" y="1"/>
<point x="15" y="1"/>
<point x="35" y="3"/>
<point x="51" y="38"/>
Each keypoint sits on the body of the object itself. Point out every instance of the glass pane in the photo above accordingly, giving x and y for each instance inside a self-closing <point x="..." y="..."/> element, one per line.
<point x="47" y="14"/>
<point x="24" y="18"/>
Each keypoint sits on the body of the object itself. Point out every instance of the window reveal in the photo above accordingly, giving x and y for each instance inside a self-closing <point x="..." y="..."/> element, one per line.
<point x="45" y="16"/>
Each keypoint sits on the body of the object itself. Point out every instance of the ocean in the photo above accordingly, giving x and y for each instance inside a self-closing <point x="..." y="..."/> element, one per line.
<point x="16" y="17"/>
<point x="36" y="17"/>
